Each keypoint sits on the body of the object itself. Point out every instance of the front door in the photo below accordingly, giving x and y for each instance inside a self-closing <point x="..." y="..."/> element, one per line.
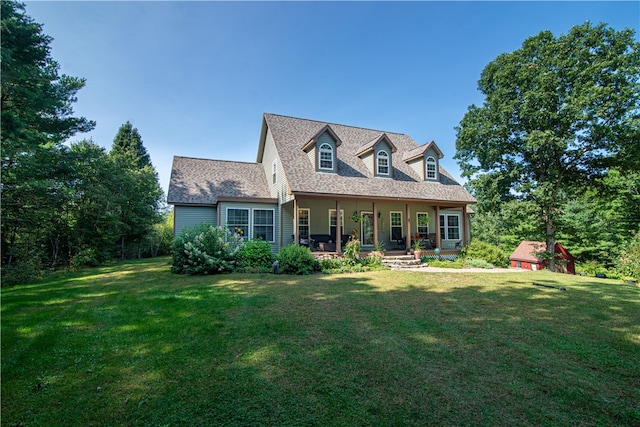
<point x="366" y="230"/>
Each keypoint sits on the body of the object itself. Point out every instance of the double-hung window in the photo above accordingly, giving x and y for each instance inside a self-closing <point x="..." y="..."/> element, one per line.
<point x="396" y="225"/>
<point x="333" y="222"/>
<point x="263" y="224"/>
<point x="326" y="157"/>
<point x="383" y="163"/>
<point x="238" y="221"/>
<point x="431" y="168"/>
<point x="450" y="226"/>
<point x="303" y="223"/>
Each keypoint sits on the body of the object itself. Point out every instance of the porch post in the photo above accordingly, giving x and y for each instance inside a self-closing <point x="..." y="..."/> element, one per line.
<point x="464" y="225"/>
<point x="438" y="237"/>
<point x="338" y="229"/>
<point x="375" y="224"/>
<point x="296" y="237"/>
<point x="408" y="238"/>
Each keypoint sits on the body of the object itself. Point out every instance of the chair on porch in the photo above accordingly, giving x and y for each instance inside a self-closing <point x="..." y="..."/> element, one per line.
<point x="396" y="235"/>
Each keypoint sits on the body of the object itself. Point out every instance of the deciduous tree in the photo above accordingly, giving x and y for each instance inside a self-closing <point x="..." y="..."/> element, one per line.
<point x="558" y="113"/>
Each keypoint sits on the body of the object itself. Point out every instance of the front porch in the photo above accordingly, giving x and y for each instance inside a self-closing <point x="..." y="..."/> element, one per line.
<point x="392" y="225"/>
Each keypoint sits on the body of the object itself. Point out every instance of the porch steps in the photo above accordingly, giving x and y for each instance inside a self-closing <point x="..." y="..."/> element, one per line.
<point x="397" y="262"/>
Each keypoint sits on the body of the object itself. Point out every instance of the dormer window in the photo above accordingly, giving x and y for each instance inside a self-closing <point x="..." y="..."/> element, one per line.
<point x="326" y="157"/>
<point x="431" y="168"/>
<point x="382" y="163"/>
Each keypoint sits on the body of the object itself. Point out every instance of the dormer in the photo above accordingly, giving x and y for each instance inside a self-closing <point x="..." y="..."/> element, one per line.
<point x="425" y="161"/>
<point x="322" y="150"/>
<point x="377" y="156"/>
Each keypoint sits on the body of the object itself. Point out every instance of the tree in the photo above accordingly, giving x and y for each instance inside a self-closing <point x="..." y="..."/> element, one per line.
<point x="36" y="117"/>
<point x="558" y="113"/>
<point x="137" y="192"/>
<point x="128" y="140"/>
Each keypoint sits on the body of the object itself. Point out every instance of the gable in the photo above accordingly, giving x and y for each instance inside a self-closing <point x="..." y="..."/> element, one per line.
<point x="352" y="175"/>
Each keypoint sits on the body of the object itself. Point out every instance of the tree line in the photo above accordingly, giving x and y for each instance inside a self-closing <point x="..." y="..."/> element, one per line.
<point x="65" y="205"/>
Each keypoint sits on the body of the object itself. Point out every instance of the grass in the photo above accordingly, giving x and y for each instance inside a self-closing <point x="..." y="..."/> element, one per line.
<point x="133" y="344"/>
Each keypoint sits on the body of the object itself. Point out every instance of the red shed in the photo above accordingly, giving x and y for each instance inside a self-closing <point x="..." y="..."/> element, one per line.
<point x="524" y="257"/>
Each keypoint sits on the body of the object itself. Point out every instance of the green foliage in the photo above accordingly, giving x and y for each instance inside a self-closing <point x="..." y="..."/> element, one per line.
<point x="445" y="263"/>
<point x="487" y="252"/>
<point x="558" y="113"/>
<point x="85" y="258"/>
<point x="256" y="253"/>
<point x="628" y="264"/>
<point x="477" y="263"/>
<point x="295" y="259"/>
<point x="352" y="251"/>
<point x="206" y="249"/>
<point x="128" y="142"/>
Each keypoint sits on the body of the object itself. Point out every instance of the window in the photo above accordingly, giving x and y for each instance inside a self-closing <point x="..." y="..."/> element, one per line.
<point x="396" y="225"/>
<point x="431" y="168"/>
<point x="303" y="223"/>
<point x="383" y="163"/>
<point x="332" y="223"/>
<point x="326" y="157"/>
<point x="274" y="168"/>
<point x="238" y="221"/>
<point x="263" y="224"/>
<point x="450" y="226"/>
<point x="422" y="221"/>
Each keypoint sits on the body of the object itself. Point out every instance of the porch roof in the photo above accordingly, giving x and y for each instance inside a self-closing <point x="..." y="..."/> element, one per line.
<point x="353" y="177"/>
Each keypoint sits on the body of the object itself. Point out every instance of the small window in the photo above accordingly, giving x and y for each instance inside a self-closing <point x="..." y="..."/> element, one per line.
<point x="431" y="168"/>
<point x="238" y="221"/>
<point x="263" y="224"/>
<point x="383" y="163"/>
<point x="326" y="157"/>
<point x="274" y="168"/>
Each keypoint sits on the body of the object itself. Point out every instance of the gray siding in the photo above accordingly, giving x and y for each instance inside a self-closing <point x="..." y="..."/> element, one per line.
<point x="188" y="216"/>
<point x="418" y="166"/>
<point x="278" y="190"/>
<point x="325" y="138"/>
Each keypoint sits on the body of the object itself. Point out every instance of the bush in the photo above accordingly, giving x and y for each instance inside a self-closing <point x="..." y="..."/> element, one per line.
<point x="628" y="264"/>
<point x="204" y="249"/>
<point x="484" y="251"/>
<point x="85" y="258"/>
<point x="295" y="259"/>
<point x="477" y="263"/>
<point x="256" y="254"/>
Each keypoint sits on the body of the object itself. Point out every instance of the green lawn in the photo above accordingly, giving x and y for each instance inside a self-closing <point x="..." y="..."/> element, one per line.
<point x="133" y="344"/>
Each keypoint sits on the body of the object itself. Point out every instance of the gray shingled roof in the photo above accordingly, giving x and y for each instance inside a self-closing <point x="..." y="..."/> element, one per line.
<point x="353" y="177"/>
<point x="202" y="181"/>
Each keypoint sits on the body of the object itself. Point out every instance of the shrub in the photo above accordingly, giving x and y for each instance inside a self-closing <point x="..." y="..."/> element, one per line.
<point x="204" y="249"/>
<point x="487" y="252"/>
<point x="85" y="258"/>
<point x="477" y="263"/>
<point x="628" y="264"/>
<point x="295" y="259"/>
<point x="256" y="254"/>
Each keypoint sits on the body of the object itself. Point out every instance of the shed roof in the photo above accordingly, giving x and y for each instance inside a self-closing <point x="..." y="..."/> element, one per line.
<point x="526" y="249"/>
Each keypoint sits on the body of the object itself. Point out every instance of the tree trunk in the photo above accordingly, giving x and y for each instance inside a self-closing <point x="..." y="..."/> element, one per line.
<point x="551" y="242"/>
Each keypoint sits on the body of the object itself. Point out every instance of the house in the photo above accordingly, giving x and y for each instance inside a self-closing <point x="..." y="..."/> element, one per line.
<point x="525" y="256"/>
<point x="385" y="186"/>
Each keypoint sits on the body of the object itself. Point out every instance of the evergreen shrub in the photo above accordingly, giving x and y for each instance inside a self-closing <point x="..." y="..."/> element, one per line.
<point x="256" y="254"/>
<point x="295" y="259"/>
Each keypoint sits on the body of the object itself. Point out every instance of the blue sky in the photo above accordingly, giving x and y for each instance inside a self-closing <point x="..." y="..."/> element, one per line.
<point x="196" y="77"/>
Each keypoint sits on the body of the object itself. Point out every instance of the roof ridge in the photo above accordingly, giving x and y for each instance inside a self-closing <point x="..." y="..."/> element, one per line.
<point x="337" y="124"/>
<point x="217" y="160"/>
